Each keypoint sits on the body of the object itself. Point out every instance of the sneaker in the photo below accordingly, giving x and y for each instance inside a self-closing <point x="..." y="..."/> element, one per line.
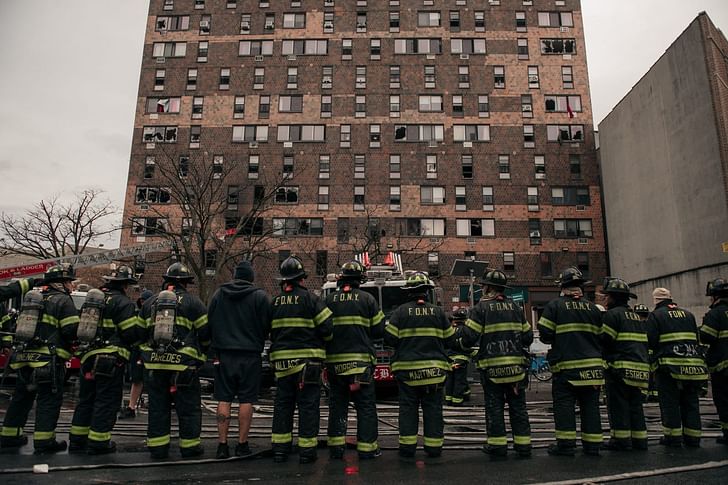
<point x="279" y="457"/>
<point x="193" y="451"/>
<point x="242" y="449"/>
<point x="54" y="447"/>
<point x="223" y="451"/>
<point x="10" y="442"/>
<point x="307" y="458"/>
<point x="336" y="452"/>
<point x="127" y="413"/>
<point x="556" y="450"/>
<point x="370" y="455"/>
<point x="102" y="450"/>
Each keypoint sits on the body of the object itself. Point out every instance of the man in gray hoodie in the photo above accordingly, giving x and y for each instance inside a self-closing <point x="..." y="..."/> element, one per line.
<point x="239" y="318"/>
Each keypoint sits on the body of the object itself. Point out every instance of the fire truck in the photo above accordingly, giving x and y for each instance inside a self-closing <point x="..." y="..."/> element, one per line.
<point x="385" y="283"/>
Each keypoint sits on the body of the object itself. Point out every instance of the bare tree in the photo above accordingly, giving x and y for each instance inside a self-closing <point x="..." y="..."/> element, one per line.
<point x="212" y="216"/>
<point x="53" y="229"/>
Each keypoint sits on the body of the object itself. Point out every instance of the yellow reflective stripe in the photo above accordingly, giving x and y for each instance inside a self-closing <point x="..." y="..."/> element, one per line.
<point x="693" y="433"/>
<point x="128" y="323"/>
<point x="391" y="329"/>
<point x="677" y="336"/>
<point x="50" y="319"/>
<point x="44" y="435"/>
<point x="69" y="321"/>
<point x="121" y="351"/>
<point x="427" y="382"/>
<point x="629" y="364"/>
<point x="672" y="431"/>
<point x="290" y="371"/>
<point x="107" y="323"/>
<point x="80" y="430"/>
<point x="337" y="358"/>
<point x="63" y="353"/>
<point x="592" y="438"/>
<point x="681" y="361"/>
<point x="189" y="443"/>
<point x="11" y="432"/>
<point x="723" y="426"/>
<point x="474" y="326"/>
<point x="426" y="332"/>
<point x="565" y="435"/>
<point x="521" y="440"/>
<point x="609" y="331"/>
<point x="281" y="438"/>
<point x="621" y="433"/>
<point x="526" y="327"/>
<point x="200" y="322"/>
<point x="578" y="364"/>
<point x="351" y="320"/>
<point x="434" y="442"/>
<point x="366" y="447"/>
<point x="720" y="366"/>
<point x="496" y="361"/>
<point x="577" y="327"/>
<point x="420" y="364"/>
<point x="192" y="352"/>
<point x="546" y="323"/>
<point x="502" y="327"/>
<point x="307" y="442"/>
<point x="639" y="435"/>
<point x="24" y="286"/>
<point x="631" y="337"/>
<point x="298" y="354"/>
<point x="723" y="334"/>
<point x="497" y="440"/>
<point x="336" y="440"/>
<point x="707" y="329"/>
<point x="158" y="441"/>
<point x="377" y="318"/>
<point x="408" y="440"/>
<point x="292" y="322"/>
<point x="322" y="316"/>
<point x="96" y="436"/>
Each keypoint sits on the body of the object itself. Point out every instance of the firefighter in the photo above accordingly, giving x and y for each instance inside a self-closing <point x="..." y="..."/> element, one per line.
<point x="420" y="334"/>
<point x="673" y="336"/>
<point x="300" y="327"/>
<point x="457" y="389"/>
<point x="624" y="340"/>
<point x="239" y="316"/>
<point x="45" y="332"/>
<point x="350" y="360"/>
<point x="651" y="394"/>
<point x="714" y="333"/>
<point x="108" y="330"/>
<point x="178" y="337"/>
<point x="497" y="324"/>
<point x="13" y="290"/>
<point x="572" y="324"/>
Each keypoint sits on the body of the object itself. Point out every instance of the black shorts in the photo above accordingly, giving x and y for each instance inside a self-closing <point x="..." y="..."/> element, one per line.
<point x="135" y="367"/>
<point x="238" y="375"/>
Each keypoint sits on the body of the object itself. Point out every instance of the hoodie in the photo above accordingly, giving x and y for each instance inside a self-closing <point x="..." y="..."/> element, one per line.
<point x="239" y="316"/>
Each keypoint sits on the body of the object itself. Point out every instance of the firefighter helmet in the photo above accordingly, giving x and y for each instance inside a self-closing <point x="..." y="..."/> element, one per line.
<point x="460" y="314"/>
<point x="352" y="270"/>
<point x="122" y="274"/>
<point x="641" y="309"/>
<point x="571" y="277"/>
<point x="178" y="272"/>
<point x="59" y="273"/>
<point x="291" y="269"/>
<point x="716" y="287"/>
<point x="495" y="278"/>
<point x="418" y="281"/>
<point x="617" y="286"/>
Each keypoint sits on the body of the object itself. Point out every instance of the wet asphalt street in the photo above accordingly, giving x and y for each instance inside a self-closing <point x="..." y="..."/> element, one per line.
<point x="462" y="461"/>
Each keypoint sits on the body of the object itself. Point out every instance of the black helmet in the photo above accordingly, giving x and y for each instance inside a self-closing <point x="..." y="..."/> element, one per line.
<point x="460" y="314"/>
<point x="716" y="287"/>
<point x="291" y="269"/>
<point x="617" y="286"/>
<point x="641" y="309"/>
<point x="59" y="274"/>
<point x="418" y="281"/>
<point x="352" y="270"/>
<point x="495" y="278"/>
<point x="178" y="272"/>
<point x="571" y="277"/>
<point x="122" y="274"/>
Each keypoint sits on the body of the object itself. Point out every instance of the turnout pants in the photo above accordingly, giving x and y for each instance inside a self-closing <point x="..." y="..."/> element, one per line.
<point x="99" y="400"/>
<point x="626" y="415"/>
<point x="680" y="409"/>
<point x="364" y="400"/>
<point x="289" y="394"/>
<point x="496" y="397"/>
<point x="430" y="398"/>
<point x="566" y="396"/>
<point x="456" y="385"/>
<point x="182" y="388"/>
<point x="720" y="398"/>
<point x="31" y="387"/>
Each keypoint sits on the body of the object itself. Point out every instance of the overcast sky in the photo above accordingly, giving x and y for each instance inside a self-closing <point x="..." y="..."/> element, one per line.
<point x="69" y="73"/>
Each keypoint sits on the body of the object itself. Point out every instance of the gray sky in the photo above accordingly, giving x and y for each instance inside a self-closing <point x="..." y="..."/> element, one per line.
<point x="69" y="74"/>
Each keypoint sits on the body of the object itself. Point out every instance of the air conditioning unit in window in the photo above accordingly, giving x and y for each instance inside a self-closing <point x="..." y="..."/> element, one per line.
<point x="160" y="60"/>
<point x="245" y="27"/>
<point x="258" y="58"/>
<point x="204" y="25"/>
<point x="534" y="234"/>
<point x="431" y="144"/>
<point x="430" y="57"/>
<point x="328" y="25"/>
<point x="464" y="56"/>
<point x="361" y="25"/>
<point x="580" y="208"/>
<point x="532" y="79"/>
<point x="269" y="27"/>
<point x="144" y="207"/>
<point x="471" y="240"/>
<point x="583" y="240"/>
<point x="564" y="29"/>
<point x="253" y="144"/>
<point x="328" y="3"/>
<point x="292" y="57"/>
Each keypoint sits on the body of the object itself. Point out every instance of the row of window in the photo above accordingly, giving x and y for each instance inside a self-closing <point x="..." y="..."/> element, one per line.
<point x="360" y="79"/>
<point x="395" y="169"/>
<point x="266" y="23"/>
<point x="431" y="133"/>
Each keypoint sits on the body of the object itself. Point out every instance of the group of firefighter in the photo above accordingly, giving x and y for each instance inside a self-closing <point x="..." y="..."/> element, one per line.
<point x="619" y="349"/>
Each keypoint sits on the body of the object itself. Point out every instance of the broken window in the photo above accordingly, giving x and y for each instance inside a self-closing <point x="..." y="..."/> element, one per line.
<point x="286" y="195"/>
<point x="159" y="134"/>
<point x="558" y="46"/>
<point x="163" y="105"/>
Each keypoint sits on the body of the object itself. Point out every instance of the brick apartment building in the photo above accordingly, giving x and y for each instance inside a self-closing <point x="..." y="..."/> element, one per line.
<point x="441" y="130"/>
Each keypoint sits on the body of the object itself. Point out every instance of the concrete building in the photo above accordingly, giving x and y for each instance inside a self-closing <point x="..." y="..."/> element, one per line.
<point x="664" y="162"/>
<point x="438" y="130"/>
